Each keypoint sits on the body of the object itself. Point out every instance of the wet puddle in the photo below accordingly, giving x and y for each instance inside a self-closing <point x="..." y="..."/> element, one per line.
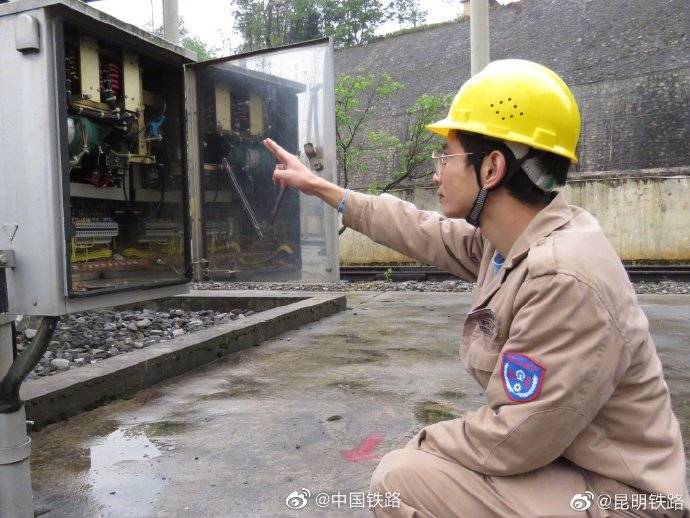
<point x="121" y="446"/>
<point x="118" y="479"/>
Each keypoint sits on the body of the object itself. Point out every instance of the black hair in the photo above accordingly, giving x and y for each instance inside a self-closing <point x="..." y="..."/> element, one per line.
<point x="519" y="185"/>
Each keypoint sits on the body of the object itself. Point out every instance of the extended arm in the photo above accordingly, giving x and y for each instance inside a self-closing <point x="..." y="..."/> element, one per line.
<point x="450" y="244"/>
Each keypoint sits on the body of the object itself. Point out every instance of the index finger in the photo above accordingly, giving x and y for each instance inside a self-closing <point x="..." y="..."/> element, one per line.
<point x="280" y="153"/>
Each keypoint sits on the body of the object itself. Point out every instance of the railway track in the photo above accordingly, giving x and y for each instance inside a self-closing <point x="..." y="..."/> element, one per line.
<point x="653" y="272"/>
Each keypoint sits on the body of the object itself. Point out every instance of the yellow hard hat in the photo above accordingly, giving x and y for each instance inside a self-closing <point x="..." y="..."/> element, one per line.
<point x="517" y="101"/>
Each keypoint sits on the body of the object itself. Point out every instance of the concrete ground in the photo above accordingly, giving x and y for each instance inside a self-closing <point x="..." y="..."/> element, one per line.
<point x="236" y="437"/>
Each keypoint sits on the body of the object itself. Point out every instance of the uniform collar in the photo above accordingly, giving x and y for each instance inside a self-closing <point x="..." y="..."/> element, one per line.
<point x="553" y="216"/>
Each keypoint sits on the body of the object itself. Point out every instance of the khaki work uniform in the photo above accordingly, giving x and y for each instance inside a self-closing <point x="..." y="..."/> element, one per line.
<point x="576" y="399"/>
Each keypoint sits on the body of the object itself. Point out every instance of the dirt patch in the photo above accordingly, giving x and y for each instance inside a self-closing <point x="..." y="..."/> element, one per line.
<point x="370" y="352"/>
<point x="161" y="428"/>
<point x="236" y="387"/>
<point x="430" y="412"/>
<point x="349" y="338"/>
<point x="451" y="394"/>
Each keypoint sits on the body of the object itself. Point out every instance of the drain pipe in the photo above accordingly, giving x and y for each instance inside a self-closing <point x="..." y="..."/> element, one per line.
<point x="16" y="499"/>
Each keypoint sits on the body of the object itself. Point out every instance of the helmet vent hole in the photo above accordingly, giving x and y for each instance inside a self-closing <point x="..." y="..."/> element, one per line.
<point x="497" y="112"/>
<point x="491" y="106"/>
<point x="521" y="113"/>
<point x="500" y="102"/>
<point x="509" y="99"/>
<point x="511" y="116"/>
<point x="503" y="118"/>
<point x="515" y="106"/>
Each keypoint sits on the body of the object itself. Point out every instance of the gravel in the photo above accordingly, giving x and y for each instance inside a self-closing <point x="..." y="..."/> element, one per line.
<point x="663" y="287"/>
<point x="660" y="287"/>
<point x="93" y="336"/>
<point x="449" y="286"/>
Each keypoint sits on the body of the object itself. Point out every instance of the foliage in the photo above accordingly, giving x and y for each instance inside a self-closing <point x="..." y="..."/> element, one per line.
<point x="405" y="155"/>
<point x="272" y="23"/>
<point x="388" y="275"/>
<point x="195" y="44"/>
<point x="355" y="96"/>
<point x="407" y="11"/>
<point x="353" y="22"/>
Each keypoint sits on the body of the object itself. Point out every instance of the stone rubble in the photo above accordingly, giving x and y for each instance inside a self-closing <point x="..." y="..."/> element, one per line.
<point x="92" y="336"/>
<point x="663" y="287"/>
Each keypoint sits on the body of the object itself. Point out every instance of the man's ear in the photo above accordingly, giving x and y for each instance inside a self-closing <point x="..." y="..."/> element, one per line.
<point x="494" y="169"/>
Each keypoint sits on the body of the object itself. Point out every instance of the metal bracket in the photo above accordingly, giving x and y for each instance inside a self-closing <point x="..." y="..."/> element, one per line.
<point x="16" y="453"/>
<point x="315" y="157"/>
<point x="6" y="259"/>
<point x="10" y="229"/>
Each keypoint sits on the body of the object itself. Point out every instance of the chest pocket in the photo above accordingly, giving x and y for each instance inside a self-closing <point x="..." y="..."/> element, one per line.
<point x="481" y="344"/>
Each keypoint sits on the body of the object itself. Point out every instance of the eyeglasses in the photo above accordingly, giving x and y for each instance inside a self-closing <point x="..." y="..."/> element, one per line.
<point x="441" y="159"/>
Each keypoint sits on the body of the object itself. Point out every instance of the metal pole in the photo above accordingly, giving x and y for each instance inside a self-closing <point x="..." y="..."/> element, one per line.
<point x="16" y="499"/>
<point x="171" y="21"/>
<point x="479" y="34"/>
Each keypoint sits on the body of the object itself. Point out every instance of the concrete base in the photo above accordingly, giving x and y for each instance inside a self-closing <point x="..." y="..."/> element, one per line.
<point x="235" y="438"/>
<point x="55" y="398"/>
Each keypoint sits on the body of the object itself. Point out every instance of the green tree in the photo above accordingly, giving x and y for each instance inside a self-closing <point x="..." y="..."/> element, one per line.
<point x="407" y="11"/>
<point x="353" y="22"/>
<point x="272" y="23"/>
<point x="195" y="44"/>
<point x="305" y="21"/>
<point x="355" y="97"/>
<point x="408" y="154"/>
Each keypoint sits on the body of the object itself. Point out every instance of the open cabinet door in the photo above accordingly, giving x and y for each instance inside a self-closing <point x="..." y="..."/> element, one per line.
<point x="244" y="227"/>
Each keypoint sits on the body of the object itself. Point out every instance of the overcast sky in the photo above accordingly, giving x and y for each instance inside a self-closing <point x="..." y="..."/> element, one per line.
<point x="212" y="20"/>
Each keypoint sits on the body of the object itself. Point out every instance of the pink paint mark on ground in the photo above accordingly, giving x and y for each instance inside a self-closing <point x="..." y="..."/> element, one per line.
<point x="365" y="450"/>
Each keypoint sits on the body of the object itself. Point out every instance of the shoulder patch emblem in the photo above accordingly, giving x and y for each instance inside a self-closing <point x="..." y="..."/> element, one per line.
<point x="522" y="377"/>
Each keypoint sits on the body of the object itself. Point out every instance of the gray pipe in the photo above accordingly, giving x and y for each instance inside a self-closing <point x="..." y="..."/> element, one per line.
<point x="16" y="499"/>
<point x="22" y="366"/>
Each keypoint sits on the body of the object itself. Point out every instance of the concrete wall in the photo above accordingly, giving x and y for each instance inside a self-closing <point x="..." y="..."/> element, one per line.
<point x="644" y="213"/>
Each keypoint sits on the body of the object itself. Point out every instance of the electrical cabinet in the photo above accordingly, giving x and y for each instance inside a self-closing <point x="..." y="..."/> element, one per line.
<point x="126" y="166"/>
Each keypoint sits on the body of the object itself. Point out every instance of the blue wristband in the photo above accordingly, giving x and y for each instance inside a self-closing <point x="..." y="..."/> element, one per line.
<point x="341" y="205"/>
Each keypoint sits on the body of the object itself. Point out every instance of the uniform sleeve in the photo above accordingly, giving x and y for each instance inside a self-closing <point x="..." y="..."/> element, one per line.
<point x="452" y="245"/>
<point x="562" y="326"/>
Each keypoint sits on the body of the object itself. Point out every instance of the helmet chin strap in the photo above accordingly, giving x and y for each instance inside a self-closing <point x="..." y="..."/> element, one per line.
<point x="473" y="217"/>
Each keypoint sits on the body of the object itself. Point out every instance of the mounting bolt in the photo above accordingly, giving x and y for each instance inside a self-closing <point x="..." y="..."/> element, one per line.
<point x="6" y="258"/>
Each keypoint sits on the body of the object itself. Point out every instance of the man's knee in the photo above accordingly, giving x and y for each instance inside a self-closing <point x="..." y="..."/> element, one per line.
<point x="394" y="469"/>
